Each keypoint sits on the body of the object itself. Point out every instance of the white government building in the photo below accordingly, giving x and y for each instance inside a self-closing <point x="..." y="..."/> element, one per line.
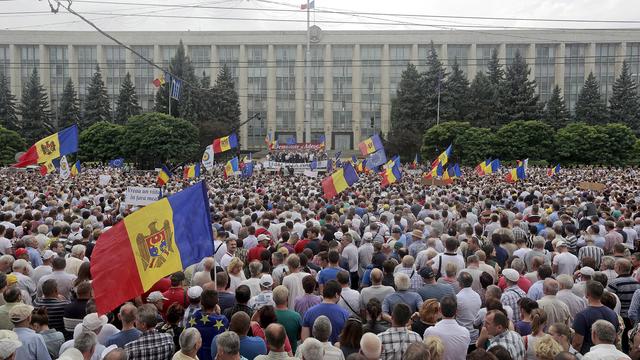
<point x="354" y="74"/>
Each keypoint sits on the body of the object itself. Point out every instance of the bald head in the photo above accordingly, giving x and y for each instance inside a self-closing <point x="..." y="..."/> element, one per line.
<point x="550" y="286"/>
<point x="376" y="276"/>
<point x="371" y="346"/>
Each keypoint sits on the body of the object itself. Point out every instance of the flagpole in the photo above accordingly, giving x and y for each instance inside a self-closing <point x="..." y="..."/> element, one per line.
<point x="307" y="124"/>
<point x="170" y="89"/>
<point x="438" y="111"/>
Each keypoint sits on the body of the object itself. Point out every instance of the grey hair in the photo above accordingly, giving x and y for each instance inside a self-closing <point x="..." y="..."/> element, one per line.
<point x="322" y="328"/>
<point x="565" y="281"/>
<point x="229" y="342"/>
<point x="78" y="249"/>
<point x="147" y="315"/>
<point x="518" y="265"/>
<point x="609" y="262"/>
<point x="402" y="282"/>
<point x="312" y="349"/>
<point x="255" y="267"/>
<point x="117" y="354"/>
<point x="538" y="242"/>
<point x="189" y="338"/>
<point x="85" y="341"/>
<point x="550" y="287"/>
<point x="20" y="264"/>
<point x="605" y="331"/>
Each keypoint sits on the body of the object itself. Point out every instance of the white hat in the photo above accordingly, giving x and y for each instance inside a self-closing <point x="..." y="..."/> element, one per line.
<point x="48" y="254"/>
<point x="107" y="350"/>
<point x="266" y="280"/>
<point x="93" y="322"/>
<point x="194" y="292"/>
<point x="367" y="236"/>
<point x="9" y="343"/>
<point x="71" y="354"/>
<point x="511" y="275"/>
<point x="155" y="296"/>
<point x="338" y="235"/>
<point x="561" y="243"/>
<point x="263" y="237"/>
<point x="587" y="271"/>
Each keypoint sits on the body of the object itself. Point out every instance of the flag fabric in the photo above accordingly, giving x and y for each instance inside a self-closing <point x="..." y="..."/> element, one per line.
<point x="339" y="181"/>
<point x="376" y="159"/>
<point x="437" y="171"/>
<point x="272" y="144"/>
<point x="176" y="86"/>
<point x="414" y="163"/>
<point x="395" y="161"/>
<point x="329" y="165"/>
<point x="322" y="142"/>
<point x="231" y="167"/>
<point x="338" y="154"/>
<point x="483" y="168"/>
<point x="163" y="175"/>
<point x="49" y="167"/>
<point x="191" y="171"/>
<point x="116" y="163"/>
<point x="314" y="164"/>
<point x="291" y="140"/>
<point x="247" y="170"/>
<point x="207" y="157"/>
<point x="390" y="176"/>
<point x="354" y="160"/>
<point x="362" y="166"/>
<point x="553" y="171"/>
<point x="76" y="169"/>
<point x="370" y="145"/>
<point x="52" y="147"/>
<point x="516" y="174"/>
<point x="443" y="158"/>
<point x="65" y="171"/>
<point x="312" y="5"/>
<point x="159" y="81"/>
<point x="225" y="143"/>
<point x="453" y="172"/>
<point x="524" y="163"/>
<point x="151" y="243"/>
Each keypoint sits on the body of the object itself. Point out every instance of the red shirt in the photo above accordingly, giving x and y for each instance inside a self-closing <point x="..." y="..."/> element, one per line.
<point x="523" y="283"/>
<point x="300" y="245"/>
<point x="175" y="295"/>
<point x="255" y="253"/>
<point x="162" y="285"/>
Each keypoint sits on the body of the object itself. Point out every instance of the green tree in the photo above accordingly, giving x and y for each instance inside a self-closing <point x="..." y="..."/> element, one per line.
<point x="481" y="93"/>
<point x="8" y="116"/>
<point x="475" y="145"/>
<point x="495" y="72"/>
<point x="556" y="113"/>
<point x="102" y="142"/>
<point x="524" y="139"/>
<point x="590" y="108"/>
<point x="433" y="81"/>
<point x="407" y="122"/>
<point x="456" y="97"/>
<point x="12" y="143"/>
<point x="624" y="105"/>
<point x="620" y="142"/>
<point x="224" y="106"/>
<point x="439" y="137"/>
<point x="34" y="109"/>
<point x="182" y="69"/>
<point x="496" y="76"/>
<point x="579" y="143"/>
<point x="96" y="104"/>
<point x="69" y="108"/>
<point x="153" y="139"/>
<point x="127" y="102"/>
<point x="519" y="93"/>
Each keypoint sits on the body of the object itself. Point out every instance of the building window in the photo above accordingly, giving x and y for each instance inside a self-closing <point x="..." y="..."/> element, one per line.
<point x="370" y="58"/>
<point x="545" y="70"/>
<point x="574" y="59"/>
<point x="516" y="48"/>
<point x="605" y="64"/>
<point x="168" y="52"/>
<point x="87" y="62"/>
<point x="229" y="56"/>
<point x="633" y="57"/>
<point x="143" y="77"/>
<point x="29" y="60"/>
<point x="116" y="71"/>
<point x="285" y="88"/>
<point x="423" y="53"/>
<point x="459" y="53"/>
<point x="58" y="75"/>
<point x="5" y="62"/>
<point x="400" y="56"/>
<point x="257" y="94"/>
<point x="483" y="56"/>
<point x="200" y="56"/>
<point x="317" y="90"/>
<point x="342" y="105"/>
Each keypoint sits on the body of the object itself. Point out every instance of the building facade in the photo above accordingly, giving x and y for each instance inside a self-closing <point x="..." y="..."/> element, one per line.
<point x="354" y="74"/>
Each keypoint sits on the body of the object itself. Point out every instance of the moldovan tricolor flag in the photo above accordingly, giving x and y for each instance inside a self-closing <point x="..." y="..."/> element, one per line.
<point x="52" y="147"/>
<point x="370" y="145"/>
<point x="158" y="240"/>
<point x="225" y="143"/>
<point x="339" y="181"/>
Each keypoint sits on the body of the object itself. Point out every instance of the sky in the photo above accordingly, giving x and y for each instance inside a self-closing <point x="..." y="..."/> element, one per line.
<point x="245" y="15"/>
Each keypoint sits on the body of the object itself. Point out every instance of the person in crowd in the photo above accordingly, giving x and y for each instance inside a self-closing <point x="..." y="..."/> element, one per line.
<point x="397" y="338"/>
<point x="329" y="308"/>
<point x="150" y="344"/>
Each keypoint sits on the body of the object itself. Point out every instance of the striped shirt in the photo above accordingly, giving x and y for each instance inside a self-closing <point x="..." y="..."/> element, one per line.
<point x="510" y="297"/>
<point x="624" y="287"/>
<point x="416" y="279"/>
<point x="591" y="251"/>
<point x="55" y="311"/>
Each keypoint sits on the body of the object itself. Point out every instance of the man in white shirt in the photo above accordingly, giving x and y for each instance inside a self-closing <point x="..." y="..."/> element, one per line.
<point x="565" y="262"/>
<point x="349" y="298"/>
<point x="350" y="254"/>
<point x="469" y="304"/>
<point x="5" y="244"/>
<point x="603" y="334"/>
<point x="456" y="338"/>
<point x="63" y="279"/>
<point x="450" y="256"/>
<point x="45" y="268"/>
<point x="229" y="254"/>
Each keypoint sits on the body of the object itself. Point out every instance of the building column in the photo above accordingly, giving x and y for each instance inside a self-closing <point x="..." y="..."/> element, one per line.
<point x="531" y="60"/>
<point x="385" y="96"/>
<point x="14" y="71"/>
<point x="327" y="103"/>
<point x="300" y="92"/>
<point x="560" y="64"/>
<point x="130" y="58"/>
<point x="621" y="54"/>
<point x="101" y="58"/>
<point x="472" y="62"/>
<point x="214" y="64"/>
<point x="590" y="60"/>
<point x="356" y="90"/>
<point x="502" y="54"/>
<point x="73" y="68"/>
<point x="444" y="55"/>
<point x="44" y="69"/>
<point x="271" y="88"/>
<point x="157" y="58"/>
<point x="414" y="54"/>
<point x="243" y="82"/>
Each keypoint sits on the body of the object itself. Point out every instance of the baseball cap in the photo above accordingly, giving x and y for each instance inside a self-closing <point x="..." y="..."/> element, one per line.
<point x="367" y="236"/>
<point x="511" y="275"/>
<point x="427" y="272"/>
<point x="338" y="235"/>
<point x="155" y="296"/>
<point x="266" y="280"/>
<point x="21" y="251"/>
<point x="48" y="254"/>
<point x="561" y="243"/>
<point x="20" y="312"/>
<point x="9" y="343"/>
<point x="93" y="322"/>
<point x="587" y="271"/>
<point x="194" y="292"/>
<point x="263" y="237"/>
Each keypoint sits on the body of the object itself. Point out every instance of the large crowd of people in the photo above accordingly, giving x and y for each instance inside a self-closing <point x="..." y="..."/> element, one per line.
<point x="547" y="268"/>
<point x="297" y="155"/>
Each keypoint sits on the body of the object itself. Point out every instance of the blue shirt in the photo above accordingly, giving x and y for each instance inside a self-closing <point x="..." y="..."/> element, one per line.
<point x="336" y="314"/>
<point x="33" y="346"/>
<point x="250" y="347"/>
<point x="209" y="327"/>
<point x="34" y="257"/>
<point x="327" y="274"/>
<point x="123" y="337"/>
